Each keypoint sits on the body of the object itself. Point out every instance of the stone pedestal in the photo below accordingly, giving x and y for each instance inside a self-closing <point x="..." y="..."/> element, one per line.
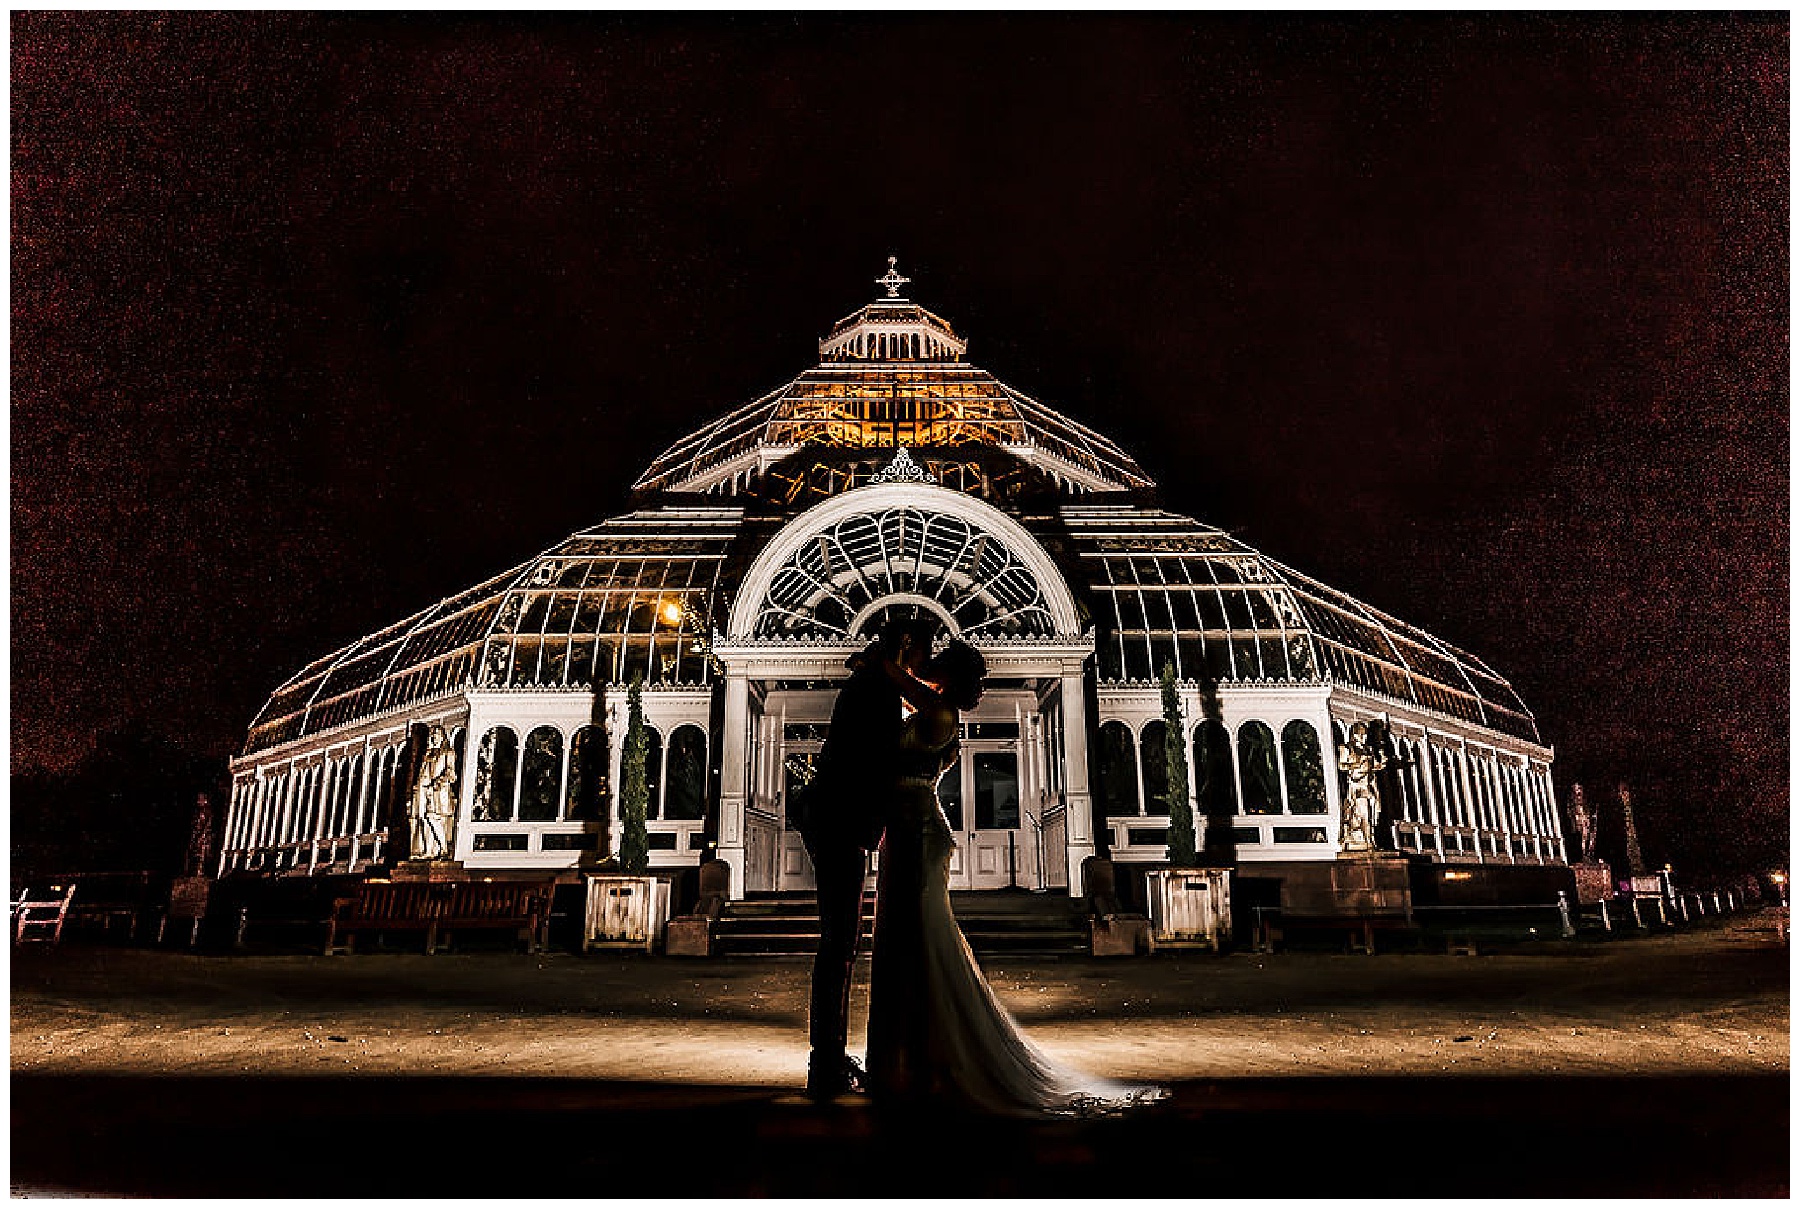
<point x="188" y="897"/>
<point x="430" y="871"/>
<point x="688" y="936"/>
<point x="1593" y="881"/>
<point x="1119" y="935"/>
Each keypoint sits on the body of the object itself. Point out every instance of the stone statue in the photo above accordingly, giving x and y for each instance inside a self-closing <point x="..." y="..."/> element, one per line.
<point x="433" y="807"/>
<point x="1359" y="760"/>
<point x="1634" y="855"/>
<point x="1583" y="818"/>
<point x="199" y="837"/>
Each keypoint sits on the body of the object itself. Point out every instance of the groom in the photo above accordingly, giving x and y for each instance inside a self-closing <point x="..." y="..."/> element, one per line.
<point x="842" y="815"/>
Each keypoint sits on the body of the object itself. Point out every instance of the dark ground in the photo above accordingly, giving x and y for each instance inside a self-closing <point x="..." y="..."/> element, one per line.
<point x="1652" y="1066"/>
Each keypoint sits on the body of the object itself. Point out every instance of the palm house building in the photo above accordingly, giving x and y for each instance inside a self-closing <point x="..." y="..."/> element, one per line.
<point x="894" y="477"/>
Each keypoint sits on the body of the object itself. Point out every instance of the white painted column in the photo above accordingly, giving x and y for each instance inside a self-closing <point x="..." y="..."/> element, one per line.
<point x="1461" y="760"/>
<point x="733" y="774"/>
<point x="1078" y="817"/>
<point x="1428" y="785"/>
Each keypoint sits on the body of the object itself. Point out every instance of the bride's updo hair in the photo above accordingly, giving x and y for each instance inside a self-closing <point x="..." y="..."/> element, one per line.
<point x="959" y="670"/>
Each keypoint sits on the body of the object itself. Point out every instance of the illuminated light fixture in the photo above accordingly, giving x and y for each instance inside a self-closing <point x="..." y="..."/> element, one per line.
<point x="1457" y="875"/>
<point x="1778" y="878"/>
<point x="671" y="612"/>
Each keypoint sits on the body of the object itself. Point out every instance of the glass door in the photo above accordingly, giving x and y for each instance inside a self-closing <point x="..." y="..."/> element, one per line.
<point x="980" y="796"/>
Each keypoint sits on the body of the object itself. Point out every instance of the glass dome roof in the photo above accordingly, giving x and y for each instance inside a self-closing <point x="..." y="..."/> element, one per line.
<point x="643" y="593"/>
<point x="1164" y="587"/>
<point x="892" y="374"/>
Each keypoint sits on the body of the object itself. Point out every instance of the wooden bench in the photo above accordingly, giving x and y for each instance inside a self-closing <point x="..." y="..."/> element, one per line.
<point x="439" y="909"/>
<point x="32" y="916"/>
<point x="1359" y="930"/>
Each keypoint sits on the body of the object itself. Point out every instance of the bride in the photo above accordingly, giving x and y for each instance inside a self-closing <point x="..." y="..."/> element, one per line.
<point x="937" y="1035"/>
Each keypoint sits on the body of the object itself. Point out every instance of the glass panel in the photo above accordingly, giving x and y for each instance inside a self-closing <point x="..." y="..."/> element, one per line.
<point x="1256" y="764"/>
<point x="1117" y="789"/>
<point x="542" y="778"/>
<point x="1299" y="835"/>
<point x="1154" y="754"/>
<point x="996" y="789"/>
<point x="687" y="775"/>
<point x="949" y="791"/>
<point x="1305" y="768"/>
<point x="1216" y="790"/>
<point x="796" y="774"/>
<point x="587" y="774"/>
<point x="653" y="775"/>
<point x="494" y="774"/>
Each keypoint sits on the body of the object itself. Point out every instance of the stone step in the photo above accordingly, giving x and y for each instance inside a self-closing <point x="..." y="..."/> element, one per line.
<point x="1001" y="922"/>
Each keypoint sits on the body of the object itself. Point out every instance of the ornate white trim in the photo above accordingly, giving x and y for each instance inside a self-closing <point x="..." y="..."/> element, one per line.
<point x="926" y="497"/>
<point x="902" y="469"/>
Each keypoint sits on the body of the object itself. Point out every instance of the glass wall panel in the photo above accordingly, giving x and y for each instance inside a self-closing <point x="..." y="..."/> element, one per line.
<point x="496" y="766"/>
<point x="1154" y="755"/>
<point x="1305" y="767"/>
<point x="686" y="798"/>
<point x="1116" y="788"/>
<point x="1215" y="786"/>
<point x="1256" y="765"/>
<point x="653" y="772"/>
<point x="540" y="785"/>
<point x="587" y="771"/>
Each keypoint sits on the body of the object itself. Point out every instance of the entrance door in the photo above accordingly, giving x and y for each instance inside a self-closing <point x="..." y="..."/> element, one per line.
<point x="980" y="796"/>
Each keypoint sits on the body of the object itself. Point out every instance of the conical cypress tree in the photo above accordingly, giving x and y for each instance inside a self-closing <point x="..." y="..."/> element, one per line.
<point x="634" y="796"/>
<point x="1181" y="811"/>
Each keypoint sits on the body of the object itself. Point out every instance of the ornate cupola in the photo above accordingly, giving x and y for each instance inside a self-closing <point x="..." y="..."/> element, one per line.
<point x="892" y="329"/>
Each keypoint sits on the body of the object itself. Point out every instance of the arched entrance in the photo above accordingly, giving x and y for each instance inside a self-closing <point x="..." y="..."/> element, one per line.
<point x="822" y="586"/>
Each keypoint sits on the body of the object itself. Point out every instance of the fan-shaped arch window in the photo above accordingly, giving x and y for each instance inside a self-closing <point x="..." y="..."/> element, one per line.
<point x="1256" y="767"/>
<point x="1305" y="768"/>
<point x="1117" y="787"/>
<point x="540" y="782"/>
<point x="496" y="774"/>
<point x="685" y="797"/>
<point x="848" y="568"/>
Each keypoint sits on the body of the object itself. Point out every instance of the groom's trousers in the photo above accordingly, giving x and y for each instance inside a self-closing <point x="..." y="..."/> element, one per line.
<point x="838" y="870"/>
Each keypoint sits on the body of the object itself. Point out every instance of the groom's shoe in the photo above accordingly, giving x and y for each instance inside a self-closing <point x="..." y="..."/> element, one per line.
<point x="829" y="1078"/>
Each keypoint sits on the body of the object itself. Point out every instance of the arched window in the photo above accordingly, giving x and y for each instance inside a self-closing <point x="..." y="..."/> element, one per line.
<point x="653" y="773"/>
<point x="540" y="785"/>
<point x="686" y="795"/>
<point x="587" y="768"/>
<point x="1256" y="765"/>
<point x="1214" y="786"/>
<point x="1305" y="767"/>
<point x="1153" y="753"/>
<point x="1117" y="769"/>
<point x="496" y="765"/>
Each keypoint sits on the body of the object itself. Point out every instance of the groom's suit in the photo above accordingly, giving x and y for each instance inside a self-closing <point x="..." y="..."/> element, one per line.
<point x="845" y="809"/>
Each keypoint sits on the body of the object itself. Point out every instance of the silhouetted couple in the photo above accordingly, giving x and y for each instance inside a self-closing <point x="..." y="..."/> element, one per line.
<point x="937" y="1037"/>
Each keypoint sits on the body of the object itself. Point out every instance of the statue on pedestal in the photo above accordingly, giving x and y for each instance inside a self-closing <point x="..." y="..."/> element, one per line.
<point x="433" y="805"/>
<point x="200" y="838"/>
<point x="1360" y="760"/>
<point x="1583" y="818"/>
<point x="1634" y="855"/>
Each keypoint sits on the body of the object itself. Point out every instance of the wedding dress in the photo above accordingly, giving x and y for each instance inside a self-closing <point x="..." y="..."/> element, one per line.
<point x="937" y="1035"/>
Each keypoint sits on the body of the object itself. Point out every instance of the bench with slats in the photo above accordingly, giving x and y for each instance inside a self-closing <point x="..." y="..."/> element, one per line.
<point x="440" y="909"/>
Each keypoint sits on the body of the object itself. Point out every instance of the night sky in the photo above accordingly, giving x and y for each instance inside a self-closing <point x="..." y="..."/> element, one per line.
<point x="318" y="319"/>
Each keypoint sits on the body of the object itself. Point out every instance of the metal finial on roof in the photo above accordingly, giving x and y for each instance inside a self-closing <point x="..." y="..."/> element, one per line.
<point x="893" y="281"/>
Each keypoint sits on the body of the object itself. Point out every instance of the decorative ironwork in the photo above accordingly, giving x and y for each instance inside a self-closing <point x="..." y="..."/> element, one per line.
<point x="902" y="470"/>
<point x="892" y="279"/>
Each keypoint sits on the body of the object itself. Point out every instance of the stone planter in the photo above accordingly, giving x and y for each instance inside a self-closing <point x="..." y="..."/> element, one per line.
<point x="1189" y="907"/>
<point x="625" y="912"/>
